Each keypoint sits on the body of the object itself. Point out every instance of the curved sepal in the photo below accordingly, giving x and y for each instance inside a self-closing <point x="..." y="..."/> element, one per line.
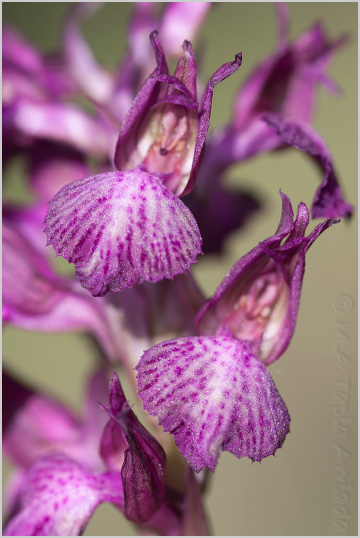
<point x="126" y="441"/>
<point x="328" y="200"/>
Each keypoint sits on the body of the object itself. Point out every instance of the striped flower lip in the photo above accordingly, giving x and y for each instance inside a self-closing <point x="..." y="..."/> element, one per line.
<point x="213" y="394"/>
<point x="121" y="228"/>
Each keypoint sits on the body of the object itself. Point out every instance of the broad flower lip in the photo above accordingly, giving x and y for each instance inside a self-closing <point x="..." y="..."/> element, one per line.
<point x="185" y="383"/>
<point x="121" y="228"/>
<point x="126" y="441"/>
<point x="258" y="300"/>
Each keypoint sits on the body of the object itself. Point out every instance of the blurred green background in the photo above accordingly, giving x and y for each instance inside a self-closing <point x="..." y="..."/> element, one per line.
<point x="294" y="493"/>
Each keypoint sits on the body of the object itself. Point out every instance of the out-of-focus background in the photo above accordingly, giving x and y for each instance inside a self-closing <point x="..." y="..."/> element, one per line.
<point x="295" y="492"/>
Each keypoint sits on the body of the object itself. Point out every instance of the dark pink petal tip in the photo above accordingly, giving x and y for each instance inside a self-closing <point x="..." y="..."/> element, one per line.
<point x="328" y="200"/>
<point x="121" y="228"/>
<point x="212" y="394"/>
<point x="143" y="459"/>
<point x="204" y="114"/>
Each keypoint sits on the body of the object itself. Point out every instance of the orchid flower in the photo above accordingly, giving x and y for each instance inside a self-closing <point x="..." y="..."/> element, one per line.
<point x="213" y="392"/>
<point x="258" y="300"/>
<point x="121" y="228"/>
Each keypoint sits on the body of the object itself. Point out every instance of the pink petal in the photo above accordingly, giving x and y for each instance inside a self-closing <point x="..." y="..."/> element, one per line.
<point x="328" y="201"/>
<point x="35" y="298"/>
<point x="121" y="228"/>
<point x="204" y="114"/>
<point x="90" y="77"/>
<point x="213" y="395"/>
<point x="59" y="497"/>
<point x="60" y="122"/>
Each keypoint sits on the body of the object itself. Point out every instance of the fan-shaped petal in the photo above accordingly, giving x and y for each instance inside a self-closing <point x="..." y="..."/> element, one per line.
<point x="120" y="228"/>
<point x="213" y="395"/>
